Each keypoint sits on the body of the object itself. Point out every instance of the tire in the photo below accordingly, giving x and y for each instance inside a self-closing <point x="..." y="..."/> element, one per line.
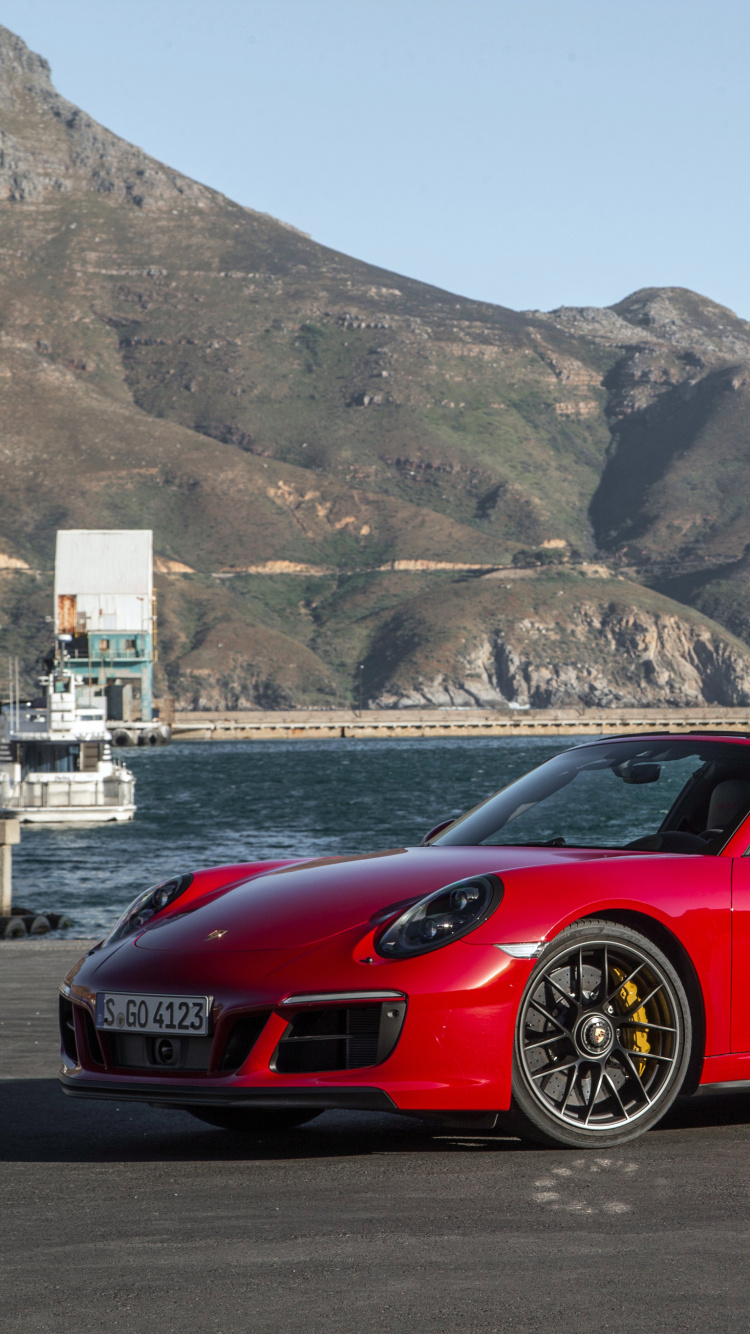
<point x="122" y="737"/>
<point x="618" y="1033"/>
<point x="12" y="928"/>
<point x="246" y="1121"/>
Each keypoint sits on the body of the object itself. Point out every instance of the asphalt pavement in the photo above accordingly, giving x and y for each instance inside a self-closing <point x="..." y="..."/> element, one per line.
<point x="126" y="1218"/>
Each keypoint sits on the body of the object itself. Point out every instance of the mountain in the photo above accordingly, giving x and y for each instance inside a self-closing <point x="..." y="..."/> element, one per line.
<point x="343" y="466"/>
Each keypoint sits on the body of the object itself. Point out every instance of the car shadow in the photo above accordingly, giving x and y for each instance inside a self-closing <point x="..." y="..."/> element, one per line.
<point x="706" y="1110"/>
<point x="39" y="1124"/>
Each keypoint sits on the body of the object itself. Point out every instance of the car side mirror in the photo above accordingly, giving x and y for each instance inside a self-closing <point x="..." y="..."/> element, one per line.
<point x="438" y="828"/>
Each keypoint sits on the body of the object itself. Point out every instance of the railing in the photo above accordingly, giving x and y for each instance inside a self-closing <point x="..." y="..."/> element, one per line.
<point x="61" y="793"/>
<point x="108" y="658"/>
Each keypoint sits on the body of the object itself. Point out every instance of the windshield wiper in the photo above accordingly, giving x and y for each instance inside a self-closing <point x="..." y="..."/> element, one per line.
<point x="557" y="842"/>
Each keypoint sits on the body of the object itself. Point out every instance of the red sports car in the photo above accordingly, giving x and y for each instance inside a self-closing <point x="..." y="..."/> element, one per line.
<point x="564" y="959"/>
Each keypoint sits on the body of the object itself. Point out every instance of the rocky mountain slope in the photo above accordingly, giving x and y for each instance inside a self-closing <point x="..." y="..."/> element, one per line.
<point x="333" y="457"/>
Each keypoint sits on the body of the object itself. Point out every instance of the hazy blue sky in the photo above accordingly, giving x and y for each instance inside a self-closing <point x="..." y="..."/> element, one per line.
<point x="529" y="152"/>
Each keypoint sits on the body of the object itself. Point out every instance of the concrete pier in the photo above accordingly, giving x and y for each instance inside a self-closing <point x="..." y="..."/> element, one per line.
<point x="309" y="724"/>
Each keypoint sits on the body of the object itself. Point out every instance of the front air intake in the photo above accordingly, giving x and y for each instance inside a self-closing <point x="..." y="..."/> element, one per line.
<point x="92" y="1038"/>
<point x="339" y="1038"/>
<point x="242" y="1038"/>
<point x="67" y="1030"/>
<point x="139" y="1051"/>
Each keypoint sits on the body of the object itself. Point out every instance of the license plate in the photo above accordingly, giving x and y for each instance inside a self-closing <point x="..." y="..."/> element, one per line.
<point x="123" y="1013"/>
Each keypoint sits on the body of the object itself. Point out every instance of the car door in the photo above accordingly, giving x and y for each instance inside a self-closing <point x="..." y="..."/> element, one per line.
<point x="740" y="1020"/>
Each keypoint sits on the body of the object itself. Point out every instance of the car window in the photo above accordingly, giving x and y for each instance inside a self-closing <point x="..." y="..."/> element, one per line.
<point x="678" y="796"/>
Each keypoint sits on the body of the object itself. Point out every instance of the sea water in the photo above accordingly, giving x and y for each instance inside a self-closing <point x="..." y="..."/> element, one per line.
<point x="205" y="803"/>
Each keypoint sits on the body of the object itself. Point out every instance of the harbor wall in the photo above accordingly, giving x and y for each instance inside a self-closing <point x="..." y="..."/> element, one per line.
<point x="262" y="725"/>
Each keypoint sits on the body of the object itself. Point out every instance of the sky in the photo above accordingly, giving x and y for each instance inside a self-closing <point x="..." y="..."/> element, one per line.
<point x="534" y="153"/>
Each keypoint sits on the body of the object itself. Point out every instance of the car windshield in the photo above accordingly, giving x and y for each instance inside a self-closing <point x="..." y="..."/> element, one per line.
<point x="644" y="795"/>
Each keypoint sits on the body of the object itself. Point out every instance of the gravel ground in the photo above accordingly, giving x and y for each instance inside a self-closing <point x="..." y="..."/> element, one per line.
<point x="126" y="1218"/>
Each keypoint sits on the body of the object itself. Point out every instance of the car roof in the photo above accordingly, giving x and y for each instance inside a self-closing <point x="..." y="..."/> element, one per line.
<point x="710" y="734"/>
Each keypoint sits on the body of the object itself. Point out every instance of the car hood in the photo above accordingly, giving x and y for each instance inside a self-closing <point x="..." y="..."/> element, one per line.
<point x="298" y="906"/>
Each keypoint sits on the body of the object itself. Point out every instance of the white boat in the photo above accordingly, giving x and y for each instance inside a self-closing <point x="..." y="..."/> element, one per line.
<point x="56" y="764"/>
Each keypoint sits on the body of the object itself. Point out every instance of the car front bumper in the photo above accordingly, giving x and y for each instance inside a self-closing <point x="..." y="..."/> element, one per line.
<point x="454" y="1051"/>
<point x="186" y="1096"/>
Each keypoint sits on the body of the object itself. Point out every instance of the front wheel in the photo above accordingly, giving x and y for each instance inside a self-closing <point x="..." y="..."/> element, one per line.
<point x="602" y="1041"/>
<point x="248" y="1121"/>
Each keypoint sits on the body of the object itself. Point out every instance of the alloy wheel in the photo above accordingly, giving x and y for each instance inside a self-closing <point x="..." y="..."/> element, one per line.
<point x="600" y="1038"/>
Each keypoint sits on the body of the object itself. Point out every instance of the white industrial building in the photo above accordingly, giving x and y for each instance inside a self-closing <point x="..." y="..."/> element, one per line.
<point x="104" y="599"/>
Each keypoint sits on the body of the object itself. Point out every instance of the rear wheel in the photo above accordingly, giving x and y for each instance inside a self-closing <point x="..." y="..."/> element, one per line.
<point x="602" y="1041"/>
<point x="246" y="1120"/>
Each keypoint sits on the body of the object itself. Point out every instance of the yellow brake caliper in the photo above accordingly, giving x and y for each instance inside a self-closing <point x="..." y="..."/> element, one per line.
<point x="635" y="1039"/>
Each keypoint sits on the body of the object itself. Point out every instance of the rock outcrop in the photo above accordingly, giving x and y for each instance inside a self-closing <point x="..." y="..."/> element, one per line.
<point x="67" y="149"/>
<point x="593" y="652"/>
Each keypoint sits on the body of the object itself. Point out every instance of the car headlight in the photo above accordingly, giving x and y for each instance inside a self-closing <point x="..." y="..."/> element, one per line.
<point x="147" y="905"/>
<point x="441" y="917"/>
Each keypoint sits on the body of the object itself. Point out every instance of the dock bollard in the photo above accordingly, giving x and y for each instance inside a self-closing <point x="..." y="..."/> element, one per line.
<point x="10" y="833"/>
